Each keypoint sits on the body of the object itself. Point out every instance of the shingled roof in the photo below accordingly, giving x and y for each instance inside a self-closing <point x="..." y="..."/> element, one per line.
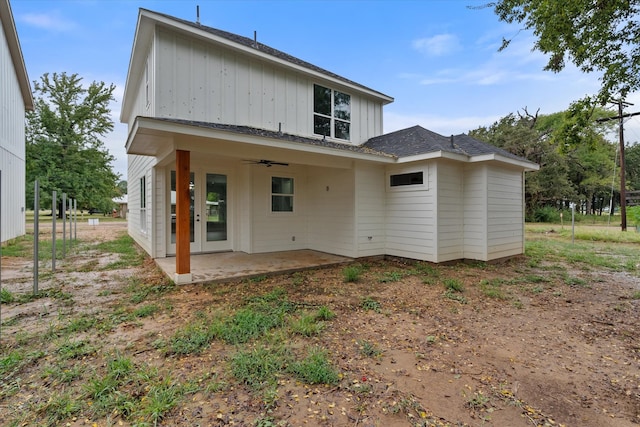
<point x="248" y="42"/>
<point x="417" y="140"/>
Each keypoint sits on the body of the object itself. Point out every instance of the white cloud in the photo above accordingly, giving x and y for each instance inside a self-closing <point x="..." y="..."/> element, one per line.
<point x="52" y="21"/>
<point x="438" y="45"/>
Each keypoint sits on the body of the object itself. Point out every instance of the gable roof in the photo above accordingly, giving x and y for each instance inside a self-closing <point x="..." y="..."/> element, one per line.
<point x="9" y="28"/>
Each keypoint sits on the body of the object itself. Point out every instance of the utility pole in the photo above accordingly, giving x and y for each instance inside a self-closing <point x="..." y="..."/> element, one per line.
<point x="623" y="181"/>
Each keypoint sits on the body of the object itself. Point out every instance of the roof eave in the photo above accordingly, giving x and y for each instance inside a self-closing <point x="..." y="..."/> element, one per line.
<point x="491" y="157"/>
<point x="144" y="124"/>
<point x="11" y="34"/>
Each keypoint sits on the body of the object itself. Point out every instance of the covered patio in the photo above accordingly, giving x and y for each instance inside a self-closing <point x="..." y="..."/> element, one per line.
<point x="227" y="266"/>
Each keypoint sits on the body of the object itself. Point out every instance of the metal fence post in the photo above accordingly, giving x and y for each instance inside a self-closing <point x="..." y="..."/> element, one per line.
<point x="75" y="219"/>
<point x="54" y="214"/>
<point x="64" y="225"/>
<point x="70" y="228"/>
<point x="36" y="232"/>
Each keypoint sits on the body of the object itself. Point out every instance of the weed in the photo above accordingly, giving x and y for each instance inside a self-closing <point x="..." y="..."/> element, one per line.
<point x="60" y="407"/>
<point x="324" y="313"/>
<point x="306" y="325"/>
<point x="454" y="285"/>
<point x="257" y="279"/>
<point x="370" y="350"/>
<point x="426" y="269"/>
<point x="80" y="324"/>
<point x="146" y="310"/>
<point x="315" y="368"/>
<point x="6" y="297"/>
<point x="192" y="338"/>
<point x="64" y="375"/>
<point x="352" y="273"/>
<point x="635" y="295"/>
<point x="455" y="296"/>
<point x="391" y="276"/>
<point x="257" y="368"/>
<point x="477" y="401"/>
<point x="493" y="288"/>
<point x="160" y="399"/>
<point x="298" y="279"/>
<point x="369" y="303"/>
<point x="75" y="349"/>
<point x="576" y="281"/>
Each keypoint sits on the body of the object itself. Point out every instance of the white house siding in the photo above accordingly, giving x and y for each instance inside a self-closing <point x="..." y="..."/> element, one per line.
<point x="12" y="149"/>
<point x="450" y="211"/>
<point x="199" y="81"/>
<point x="139" y="166"/>
<point x="280" y="231"/>
<point x="370" y="209"/>
<point x="141" y="105"/>
<point x="475" y="212"/>
<point x="505" y="225"/>
<point x="331" y="225"/>
<point x="411" y="218"/>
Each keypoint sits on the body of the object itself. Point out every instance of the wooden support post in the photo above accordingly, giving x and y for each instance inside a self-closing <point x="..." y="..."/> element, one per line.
<point x="183" y="250"/>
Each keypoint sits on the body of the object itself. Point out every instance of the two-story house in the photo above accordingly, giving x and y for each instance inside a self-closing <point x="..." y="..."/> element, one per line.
<point x="15" y="99"/>
<point x="236" y="146"/>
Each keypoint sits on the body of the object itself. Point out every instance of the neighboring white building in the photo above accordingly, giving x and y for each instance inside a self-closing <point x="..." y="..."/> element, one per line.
<point x="269" y="153"/>
<point x="15" y="99"/>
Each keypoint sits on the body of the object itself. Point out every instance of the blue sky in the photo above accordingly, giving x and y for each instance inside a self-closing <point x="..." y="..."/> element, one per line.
<point x="439" y="59"/>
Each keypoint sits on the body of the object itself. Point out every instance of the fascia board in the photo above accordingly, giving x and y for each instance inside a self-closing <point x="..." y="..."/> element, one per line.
<point x="11" y="34"/>
<point x="141" y="43"/>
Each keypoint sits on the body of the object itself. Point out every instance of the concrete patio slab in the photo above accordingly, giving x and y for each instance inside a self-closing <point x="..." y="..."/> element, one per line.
<point x="225" y="266"/>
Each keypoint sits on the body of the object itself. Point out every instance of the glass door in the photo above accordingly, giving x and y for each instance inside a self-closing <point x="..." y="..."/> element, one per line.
<point x="215" y="213"/>
<point x="208" y="208"/>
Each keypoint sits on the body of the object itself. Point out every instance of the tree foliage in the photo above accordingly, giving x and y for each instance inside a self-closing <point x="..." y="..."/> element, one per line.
<point x="64" y="145"/>
<point x="595" y="35"/>
<point x="574" y="166"/>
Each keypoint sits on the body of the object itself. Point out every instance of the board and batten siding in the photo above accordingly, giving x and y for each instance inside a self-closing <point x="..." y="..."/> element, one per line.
<point x="410" y="230"/>
<point x="12" y="146"/>
<point x="331" y="210"/>
<point x="505" y="225"/>
<point x="370" y="209"/>
<point x="475" y="212"/>
<point x="139" y="166"/>
<point x="200" y="81"/>
<point x="450" y="211"/>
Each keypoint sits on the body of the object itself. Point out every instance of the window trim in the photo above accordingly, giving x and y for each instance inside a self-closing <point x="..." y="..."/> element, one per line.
<point x="332" y="117"/>
<point x="408" y="187"/>
<point x="292" y="195"/>
<point x="143" y="204"/>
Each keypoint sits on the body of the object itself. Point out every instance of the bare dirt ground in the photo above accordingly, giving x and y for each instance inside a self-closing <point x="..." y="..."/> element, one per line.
<point x="521" y="345"/>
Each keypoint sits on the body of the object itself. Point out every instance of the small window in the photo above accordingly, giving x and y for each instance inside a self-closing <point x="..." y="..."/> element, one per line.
<point x="413" y="178"/>
<point x="281" y="194"/>
<point x="143" y="204"/>
<point x="331" y="113"/>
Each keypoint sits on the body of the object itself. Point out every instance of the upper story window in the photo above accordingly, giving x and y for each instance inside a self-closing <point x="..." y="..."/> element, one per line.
<point x="331" y="113"/>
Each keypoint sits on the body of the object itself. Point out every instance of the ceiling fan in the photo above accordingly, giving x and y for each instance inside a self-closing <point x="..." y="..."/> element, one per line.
<point x="267" y="163"/>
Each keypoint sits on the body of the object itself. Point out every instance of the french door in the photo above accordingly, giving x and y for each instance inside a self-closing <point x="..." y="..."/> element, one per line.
<point x="208" y="212"/>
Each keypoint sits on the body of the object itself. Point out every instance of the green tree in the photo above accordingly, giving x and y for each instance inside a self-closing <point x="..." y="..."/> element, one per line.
<point x="632" y="160"/>
<point x="600" y="36"/>
<point x="64" y="145"/>
<point x="576" y="161"/>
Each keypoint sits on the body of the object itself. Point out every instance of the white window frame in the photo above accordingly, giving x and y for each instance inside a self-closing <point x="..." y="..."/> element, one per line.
<point x="291" y="195"/>
<point x="409" y="187"/>
<point x="143" y="204"/>
<point x="332" y="117"/>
